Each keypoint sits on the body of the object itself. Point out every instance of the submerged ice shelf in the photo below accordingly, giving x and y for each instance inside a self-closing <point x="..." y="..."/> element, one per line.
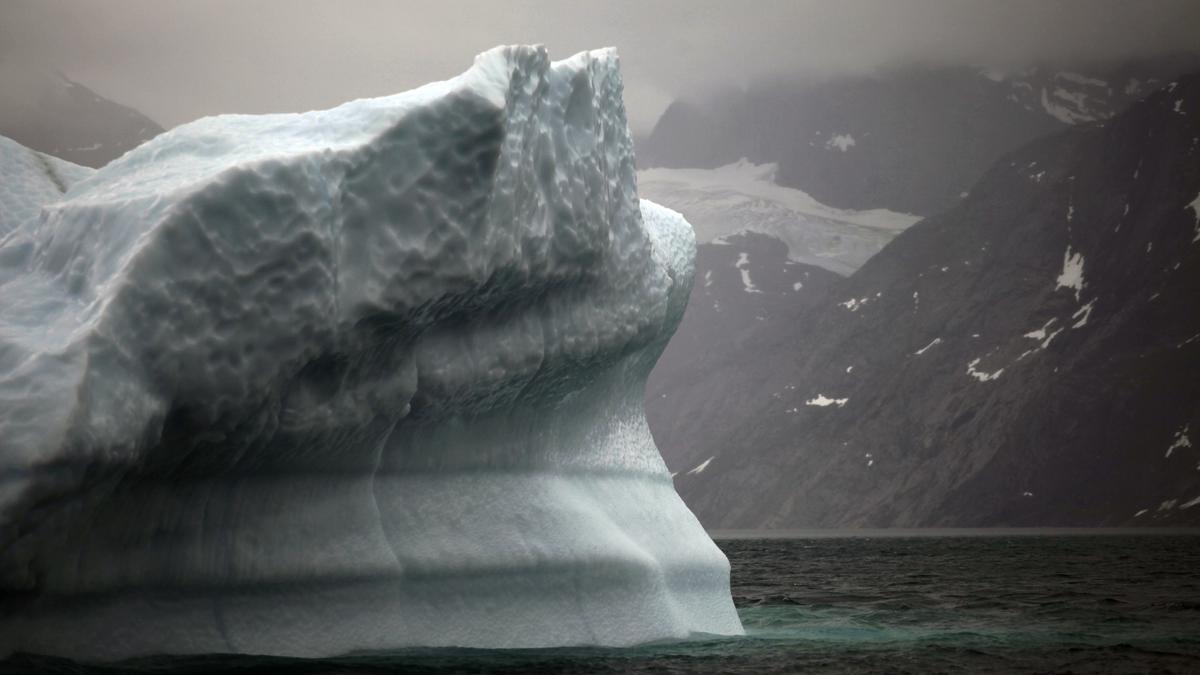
<point x="353" y="379"/>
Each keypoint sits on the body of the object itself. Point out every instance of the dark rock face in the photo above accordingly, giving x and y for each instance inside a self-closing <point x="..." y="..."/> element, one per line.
<point x="1029" y="357"/>
<point x="911" y="140"/>
<point x="725" y="320"/>
<point x="51" y="114"/>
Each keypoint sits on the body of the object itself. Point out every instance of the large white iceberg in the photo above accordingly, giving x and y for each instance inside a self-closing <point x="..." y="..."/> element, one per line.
<point x="352" y="379"/>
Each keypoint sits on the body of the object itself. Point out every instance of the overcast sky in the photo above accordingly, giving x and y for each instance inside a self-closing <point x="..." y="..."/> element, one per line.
<point x="176" y="61"/>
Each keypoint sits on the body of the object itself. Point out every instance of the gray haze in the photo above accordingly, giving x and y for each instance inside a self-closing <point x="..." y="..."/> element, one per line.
<point x="176" y="61"/>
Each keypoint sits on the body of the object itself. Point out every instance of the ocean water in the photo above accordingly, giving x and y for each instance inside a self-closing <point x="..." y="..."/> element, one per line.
<point x="874" y="602"/>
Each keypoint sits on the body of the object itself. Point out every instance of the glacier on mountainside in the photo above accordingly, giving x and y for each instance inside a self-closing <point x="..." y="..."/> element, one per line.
<point x="352" y="379"/>
<point x="743" y="197"/>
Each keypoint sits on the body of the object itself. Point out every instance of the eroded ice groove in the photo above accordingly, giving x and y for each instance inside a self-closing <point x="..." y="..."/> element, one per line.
<point x="352" y="379"/>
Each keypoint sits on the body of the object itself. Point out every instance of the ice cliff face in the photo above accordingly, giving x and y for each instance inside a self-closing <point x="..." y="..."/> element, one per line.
<point x="351" y="379"/>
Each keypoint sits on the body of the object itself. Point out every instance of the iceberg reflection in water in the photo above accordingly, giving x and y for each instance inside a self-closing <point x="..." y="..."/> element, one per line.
<point x="853" y="604"/>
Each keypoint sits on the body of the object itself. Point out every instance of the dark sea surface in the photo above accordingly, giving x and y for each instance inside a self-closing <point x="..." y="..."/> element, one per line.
<point x="885" y="602"/>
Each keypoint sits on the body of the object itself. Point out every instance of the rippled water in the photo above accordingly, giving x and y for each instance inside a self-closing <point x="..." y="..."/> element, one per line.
<point x="1051" y="603"/>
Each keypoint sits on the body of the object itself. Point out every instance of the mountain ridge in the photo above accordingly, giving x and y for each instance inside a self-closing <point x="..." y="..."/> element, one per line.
<point x="911" y="139"/>
<point x="1025" y="358"/>
<point x="49" y="113"/>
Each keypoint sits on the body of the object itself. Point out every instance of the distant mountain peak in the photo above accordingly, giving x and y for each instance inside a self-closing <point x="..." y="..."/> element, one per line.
<point x="47" y="111"/>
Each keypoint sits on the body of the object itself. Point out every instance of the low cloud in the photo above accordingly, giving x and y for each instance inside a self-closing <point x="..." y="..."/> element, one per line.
<point x="176" y="61"/>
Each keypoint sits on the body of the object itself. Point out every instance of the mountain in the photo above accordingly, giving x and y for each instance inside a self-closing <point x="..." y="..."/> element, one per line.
<point x="1029" y="357"/>
<point x="49" y="113"/>
<point x="744" y="197"/>
<point x="764" y="251"/>
<point x="912" y="139"/>
<point x="744" y="283"/>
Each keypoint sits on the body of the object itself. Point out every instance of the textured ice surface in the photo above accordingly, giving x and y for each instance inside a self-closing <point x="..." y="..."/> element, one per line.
<point x="350" y="379"/>
<point x="30" y="179"/>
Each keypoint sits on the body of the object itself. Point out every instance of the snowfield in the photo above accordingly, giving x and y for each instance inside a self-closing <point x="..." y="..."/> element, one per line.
<point x="743" y="197"/>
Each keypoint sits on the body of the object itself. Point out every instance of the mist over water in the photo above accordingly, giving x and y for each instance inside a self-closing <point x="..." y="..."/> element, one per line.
<point x="974" y="601"/>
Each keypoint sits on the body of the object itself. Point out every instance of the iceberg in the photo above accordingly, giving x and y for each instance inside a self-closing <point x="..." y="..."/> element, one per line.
<point x="29" y="179"/>
<point x="352" y="379"/>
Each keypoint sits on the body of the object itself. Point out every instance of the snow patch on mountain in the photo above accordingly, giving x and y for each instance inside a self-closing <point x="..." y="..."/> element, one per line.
<point x="1083" y="314"/>
<point x="1040" y="333"/>
<point x="1194" y="205"/>
<point x="980" y="375"/>
<point x="1180" y="441"/>
<point x="1072" y="273"/>
<point x="1061" y="112"/>
<point x="1043" y="335"/>
<point x="853" y="304"/>
<point x="823" y="401"/>
<point x="701" y="466"/>
<point x="842" y="142"/>
<point x="743" y="266"/>
<point x="936" y="341"/>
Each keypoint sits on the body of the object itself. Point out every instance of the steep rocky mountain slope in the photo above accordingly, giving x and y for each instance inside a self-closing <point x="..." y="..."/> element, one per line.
<point x="49" y="113"/>
<point x="911" y="140"/>
<point x="1028" y="357"/>
<point x="746" y="286"/>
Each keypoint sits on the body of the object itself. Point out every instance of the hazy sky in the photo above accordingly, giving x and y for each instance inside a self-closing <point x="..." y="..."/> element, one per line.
<point x="176" y="61"/>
